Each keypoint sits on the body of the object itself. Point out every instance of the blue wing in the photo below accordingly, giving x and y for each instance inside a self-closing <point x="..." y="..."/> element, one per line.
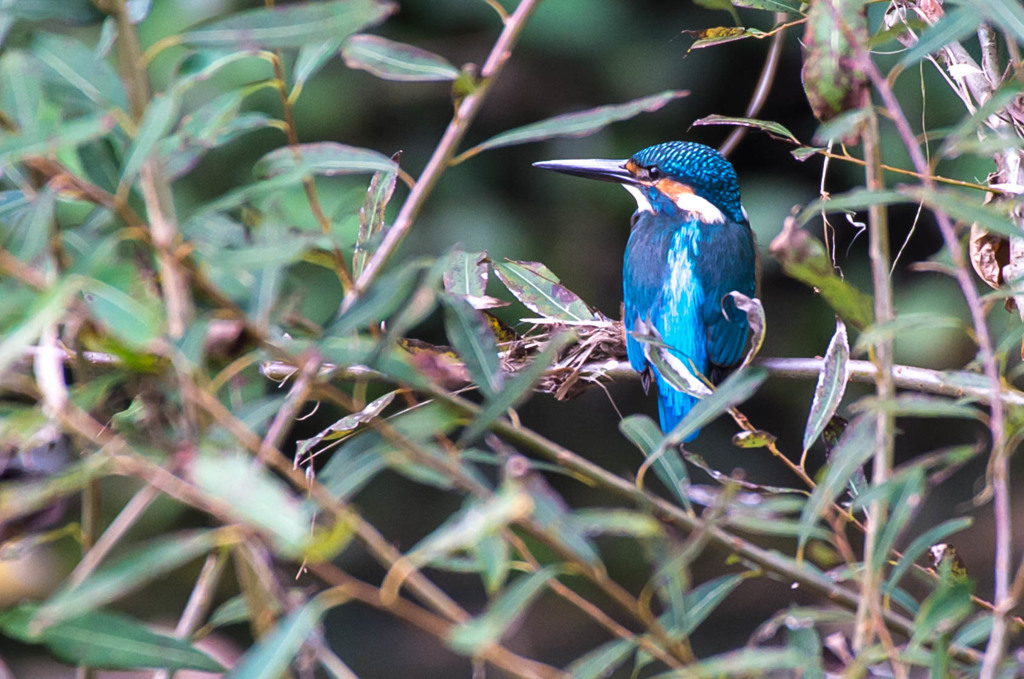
<point x="676" y="277"/>
<point x="728" y="263"/>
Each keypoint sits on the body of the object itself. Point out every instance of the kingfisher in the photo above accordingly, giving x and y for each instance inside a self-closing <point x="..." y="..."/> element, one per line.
<point x="690" y="245"/>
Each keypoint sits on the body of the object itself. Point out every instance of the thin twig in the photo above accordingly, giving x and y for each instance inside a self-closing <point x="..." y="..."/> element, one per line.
<point x="438" y="163"/>
<point x="764" y="86"/>
<point x="999" y="471"/>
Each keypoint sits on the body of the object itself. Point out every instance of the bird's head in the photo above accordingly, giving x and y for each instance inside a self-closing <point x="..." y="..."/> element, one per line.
<point x="676" y="175"/>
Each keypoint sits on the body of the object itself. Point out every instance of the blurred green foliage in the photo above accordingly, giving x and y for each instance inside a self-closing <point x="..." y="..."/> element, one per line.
<point x="236" y="397"/>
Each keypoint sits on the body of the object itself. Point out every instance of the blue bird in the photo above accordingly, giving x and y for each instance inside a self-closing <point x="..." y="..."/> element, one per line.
<point x="690" y="245"/>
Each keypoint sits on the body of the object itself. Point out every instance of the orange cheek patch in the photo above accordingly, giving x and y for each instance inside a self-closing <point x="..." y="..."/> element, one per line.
<point x="632" y="167"/>
<point x="673" y="189"/>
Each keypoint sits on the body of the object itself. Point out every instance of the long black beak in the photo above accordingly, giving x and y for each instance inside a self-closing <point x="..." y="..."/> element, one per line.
<point x="605" y="170"/>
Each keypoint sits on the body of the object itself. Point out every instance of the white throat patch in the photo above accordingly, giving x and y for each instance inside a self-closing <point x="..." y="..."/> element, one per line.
<point x="703" y="209"/>
<point x="685" y="201"/>
<point x="642" y="204"/>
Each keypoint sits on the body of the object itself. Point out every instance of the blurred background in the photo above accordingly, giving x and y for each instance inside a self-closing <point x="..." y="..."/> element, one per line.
<point x="574" y="55"/>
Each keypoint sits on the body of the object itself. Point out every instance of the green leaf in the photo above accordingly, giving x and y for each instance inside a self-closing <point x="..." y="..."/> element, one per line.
<point x="137" y="320"/>
<point x="15" y="148"/>
<point x="719" y="35"/>
<point x="602" y="661"/>
<point x="622" y="522"/>
<point x="270" y="658"/>
<point x="470" y="637"/>
<point x="772" y="128"/>
<point x="917" y="405"/>
<point x="1008" y="16"/>
<point x="476" y="520"/>
<point x="744" y="662"/>
<point x="790" y="6"/>
<point x="47" y="308"/>
<point x="943" y="611"/>
<point x="579" y="124"/>
<point x="251" y="495"/>
<point x="539" y="289"/>
<point x="919" y="545"/>
<point x="645" y="434"/>
<point x="551" y="515"/>
<point x="966" y="207"/>
<point x="78" y="65"/>
<point x="736" y="389"/>
<point x="831" y="386"/>
<point x="107" y="640"/>
<point x="233" y="611"/>
<point x="833" y="80"/>
<point x="803" y="258"/>
<point x="392" y="60"/>
<point x="851" y="452"/>
<point x="474" y="342"/>
<point x="956" y="25"/>
<point x="324" y="158"/>
<point x="360" y="458"/>
<point x="142" y="564"/>
<point x="290" y="25"/>
<point x="466" y="273"/>
<point x="372" y="214"/>
<point x="71" y="11"/>
<point x="517" y="388"/>
<point x="345" y="424"/>
<point x="904" y="494"/>
<point x="702" y="600"/>
<point x="156" y="123"/>
<point x="906" y="325"/>
<point x="858" y="199"/>
<point x="388" y="294"/>
<point x="312" y="57"/>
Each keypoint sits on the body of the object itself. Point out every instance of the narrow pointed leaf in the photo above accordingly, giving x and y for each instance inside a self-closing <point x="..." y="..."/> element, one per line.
<point x="15" y="148"/>
<point x="156" y="123"/>
<point x="919" y="545"/>
<point x="833" y="80"/>
<point x="516" y="388"/>
<point x="744" y="662"/>
<point x="774" y="129"/>
<point x="325" y="158"/>
<point x="828" y="392"/>
<point x="966" y="207"/>
<point x="960" y="22"/>
<point x="600" y="662"/>
<point x="848" y="457"/>
<point x="739" y="386"/>
<point x="579" y="124"/>
<point x="289" y="26"/>
<point x="142" y="564"/>
<point x="705" y="598"/>
<point x="539" y="289"/>
<point x="646" y="435"/>
<point x="107" y="640"/>
<point x="251" y="495"/>
<point x="312" y="57"/>
<point x="372" y="213"/>
<point x="392" y="60"/>
<point x="270" y="658"/>
<point x="803" y="257"/>
<point x="466" y="273"/>
<point x="474" y="342"/>
<point x="468" y="638"/>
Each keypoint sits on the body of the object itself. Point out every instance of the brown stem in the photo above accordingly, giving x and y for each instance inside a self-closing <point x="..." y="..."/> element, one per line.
<point x="465" y="113"/>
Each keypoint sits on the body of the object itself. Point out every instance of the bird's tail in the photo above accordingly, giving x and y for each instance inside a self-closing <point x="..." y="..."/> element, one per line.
<point x="673" y="405"/>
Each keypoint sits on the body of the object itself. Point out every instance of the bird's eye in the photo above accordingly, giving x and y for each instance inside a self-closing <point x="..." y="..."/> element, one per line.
<point x="654" y="173"/>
